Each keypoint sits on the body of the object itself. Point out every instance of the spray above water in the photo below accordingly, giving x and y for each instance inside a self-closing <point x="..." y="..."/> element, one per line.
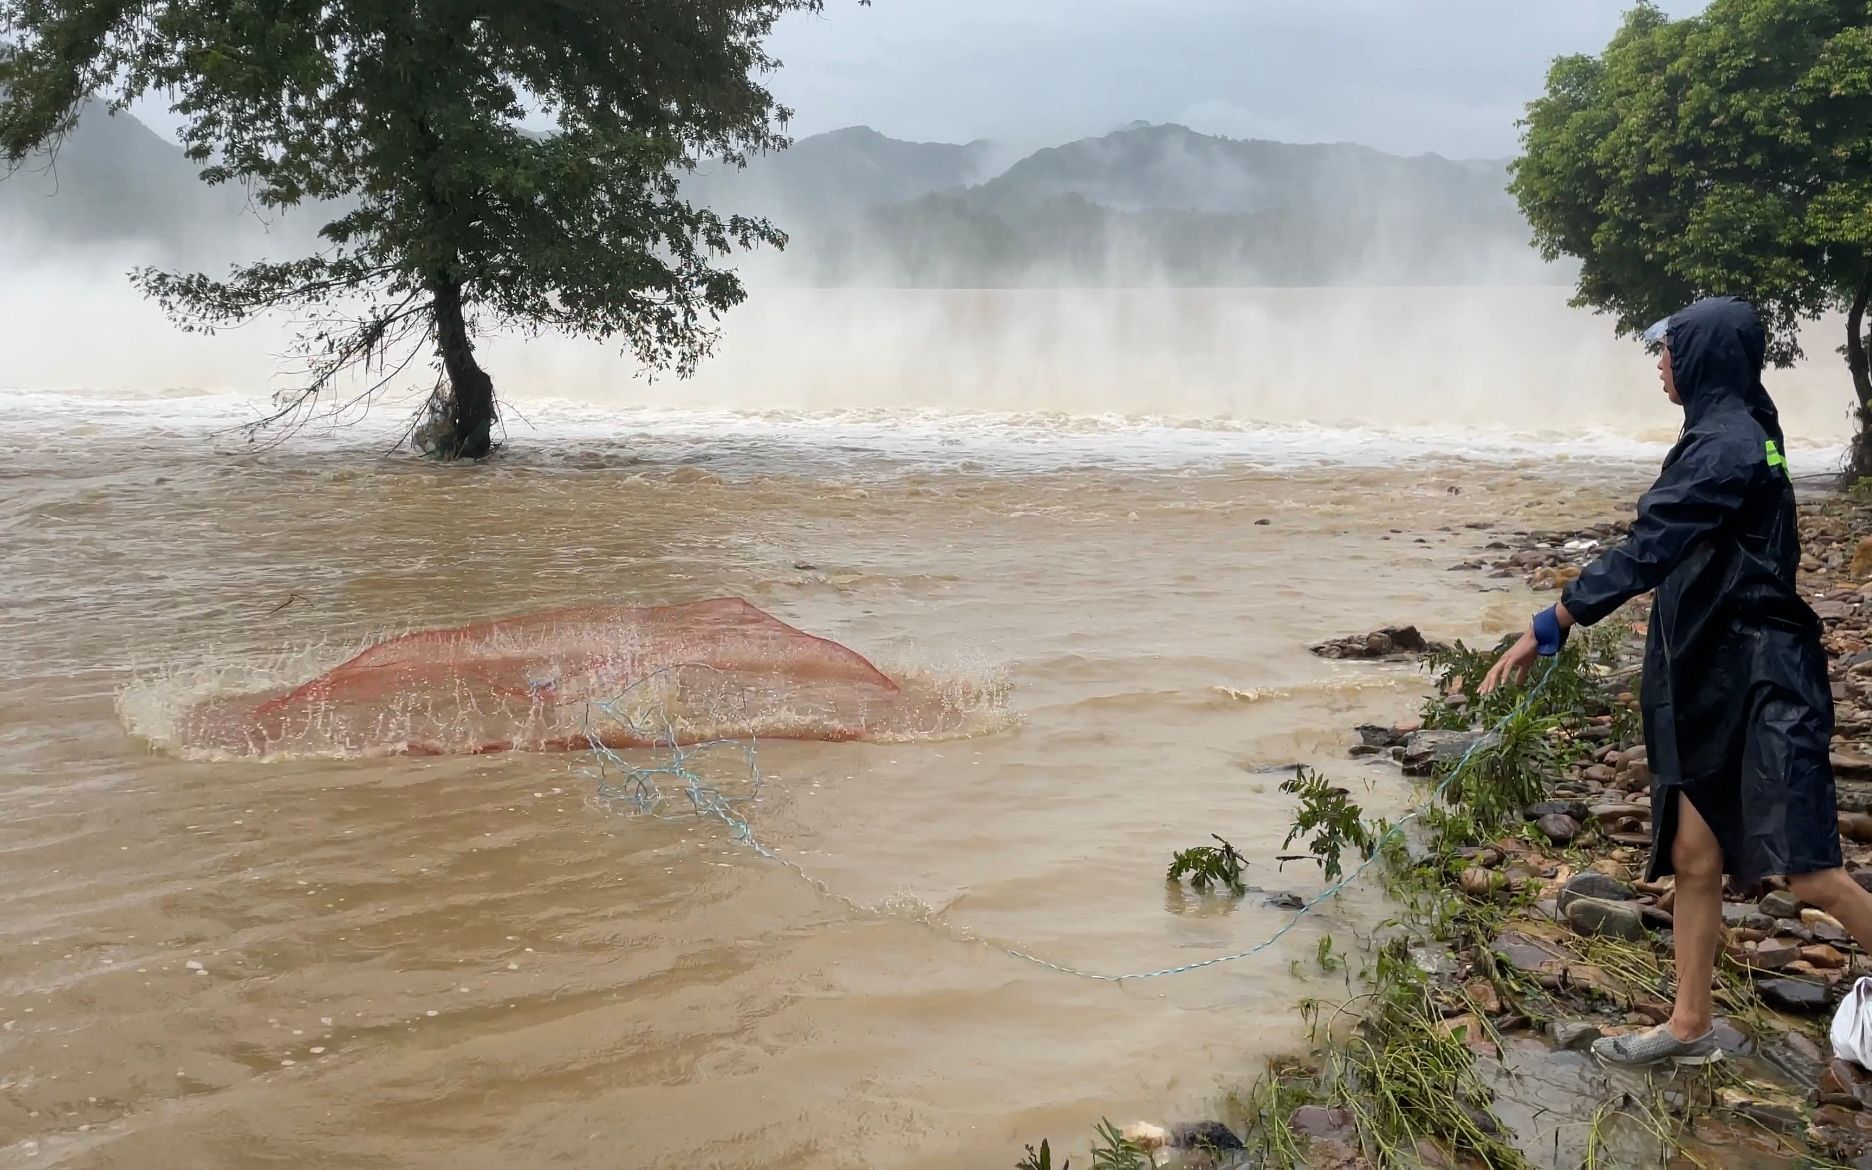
<point x="597" y="676"/>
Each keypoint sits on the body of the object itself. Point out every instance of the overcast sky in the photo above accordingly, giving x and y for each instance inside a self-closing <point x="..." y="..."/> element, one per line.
<point x="1449" y="76"/>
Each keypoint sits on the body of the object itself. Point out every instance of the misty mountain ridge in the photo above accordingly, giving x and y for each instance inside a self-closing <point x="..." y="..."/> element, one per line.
<point x="115" y="181"/>
<point x="1145" y="204"/>
<point x="827" y="176"/>
<point x="1173" y="168"/>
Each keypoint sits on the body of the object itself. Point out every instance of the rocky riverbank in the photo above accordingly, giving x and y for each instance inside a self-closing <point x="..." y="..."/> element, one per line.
<point x="1551" y="937"/>
<point x="1530" y="929"/>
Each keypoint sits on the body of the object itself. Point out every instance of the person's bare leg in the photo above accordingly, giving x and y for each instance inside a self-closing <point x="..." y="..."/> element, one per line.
<point x="1835" y="892"/>
<point x="1697" y="857"/>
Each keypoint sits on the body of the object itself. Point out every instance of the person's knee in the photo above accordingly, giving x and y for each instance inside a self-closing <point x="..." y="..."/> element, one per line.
<point x="1696" y="862"/>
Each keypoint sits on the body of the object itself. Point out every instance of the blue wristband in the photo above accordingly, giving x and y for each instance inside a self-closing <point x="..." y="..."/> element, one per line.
<point x="1548" y="636"/>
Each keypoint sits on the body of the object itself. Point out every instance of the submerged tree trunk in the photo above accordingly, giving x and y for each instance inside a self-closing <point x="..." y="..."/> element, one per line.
<point x="464" y="418"/>
<point x="1856" y="361"/>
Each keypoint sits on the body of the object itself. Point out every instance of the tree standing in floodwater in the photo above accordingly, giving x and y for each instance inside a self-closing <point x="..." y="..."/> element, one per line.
<point x="1738" y="713"/>
<point x="405" y="122"/>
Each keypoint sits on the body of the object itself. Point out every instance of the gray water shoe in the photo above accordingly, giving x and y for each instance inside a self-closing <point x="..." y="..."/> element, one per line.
<point x="1639" y="1049"/>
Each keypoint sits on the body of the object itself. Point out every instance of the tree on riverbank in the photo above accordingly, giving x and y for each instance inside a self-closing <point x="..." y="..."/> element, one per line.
<point x="1725" y="152"/>
<point x="405" y="123"/>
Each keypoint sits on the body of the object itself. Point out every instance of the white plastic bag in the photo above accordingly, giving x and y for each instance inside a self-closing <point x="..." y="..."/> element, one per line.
<point x="1852" y="1025"/>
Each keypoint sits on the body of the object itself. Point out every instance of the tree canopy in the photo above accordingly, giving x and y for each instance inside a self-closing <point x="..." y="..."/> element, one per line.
<point x="1726" y="152"/>
<point x="406" y="123"/>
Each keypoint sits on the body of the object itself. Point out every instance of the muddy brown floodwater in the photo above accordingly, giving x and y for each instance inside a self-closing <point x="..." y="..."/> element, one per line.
<point x="469" y="963"/>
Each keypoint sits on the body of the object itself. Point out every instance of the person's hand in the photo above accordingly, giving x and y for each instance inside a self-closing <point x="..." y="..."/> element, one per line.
<point x="1514" y="665"/>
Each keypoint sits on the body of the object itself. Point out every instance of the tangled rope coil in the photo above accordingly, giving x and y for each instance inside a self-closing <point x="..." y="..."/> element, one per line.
<point x="642" y="788"/>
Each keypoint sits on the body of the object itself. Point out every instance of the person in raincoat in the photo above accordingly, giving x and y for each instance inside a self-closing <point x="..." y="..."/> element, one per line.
<point x="1738" y="713"/>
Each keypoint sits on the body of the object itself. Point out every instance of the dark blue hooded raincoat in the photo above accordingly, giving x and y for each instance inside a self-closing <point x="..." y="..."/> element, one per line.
<point x="1738" y="714"/>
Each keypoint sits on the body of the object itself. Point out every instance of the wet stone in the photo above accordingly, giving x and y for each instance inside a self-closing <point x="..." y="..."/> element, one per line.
<point x="1575" y="809"/>
<point x="1823" y="957"/>
<point x="1482" y="993"/>
<point x="1795" y="1056"/>
<point x="1559" y="829"/>
<point x="1811" y="973"/>
<point x="1594" y="885"/>
<point x="1824" y="926"/>
<point x="1773" y="954"/>
<point x="1392" y="640"/>
<point x="1573" y="1035"/>
<point x="1525" y="954"/>
<point x="1781" y="904"/>
<point x="1613" y="919"/>
<point x="1374" y="737"/>
<point x="1793" y="995"/>
<point x="1468" y="1031"/>
<point x="1318" y="1121"/>
<point x="1424" y="750"/>
<point x="1732" y="1040"/>
<point x="1840" y="1084"/>
<point x="1204" y="1135"/>
<point x="1612" y="868"/>
<point x="1478" y="882"/>
<point x="1775" y="1116"/>
<point x="1614" y="814"/>
<point x="1655" y="918"/>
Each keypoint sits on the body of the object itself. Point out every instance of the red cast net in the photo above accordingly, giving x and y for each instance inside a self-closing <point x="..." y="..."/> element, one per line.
<point x="620" y="676"/>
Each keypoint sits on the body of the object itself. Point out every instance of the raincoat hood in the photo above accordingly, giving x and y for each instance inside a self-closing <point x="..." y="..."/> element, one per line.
<point x="1716" y="350"/>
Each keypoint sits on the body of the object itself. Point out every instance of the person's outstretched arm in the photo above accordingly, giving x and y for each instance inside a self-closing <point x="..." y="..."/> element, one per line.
<point x="1694" y="497"/>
